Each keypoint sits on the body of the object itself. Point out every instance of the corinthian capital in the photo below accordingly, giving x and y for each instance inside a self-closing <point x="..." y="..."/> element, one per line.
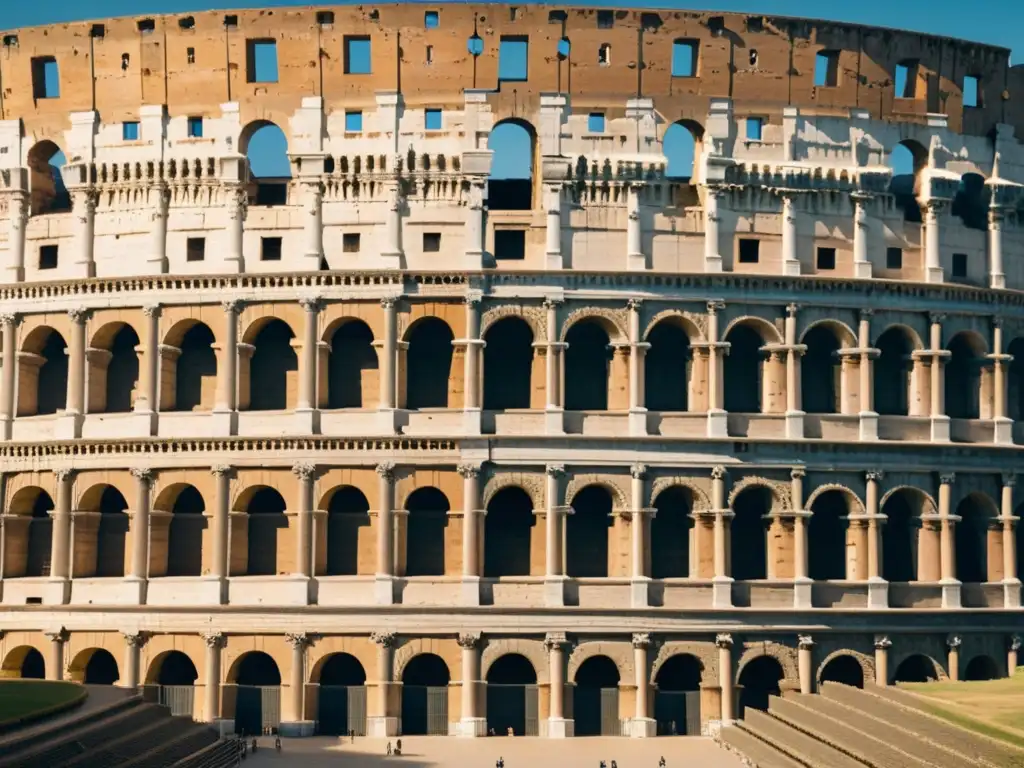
<point x="386" y="470"/>
<point x="304" y="470"/>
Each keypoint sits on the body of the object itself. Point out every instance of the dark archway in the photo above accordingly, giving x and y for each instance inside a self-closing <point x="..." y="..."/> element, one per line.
<point x="347" y="512"/>
<point x="342" y="696"/>
<point x="677" y="699"/>
<point x="101" y="669"/>
<point x="512" y="696"/>
<point x="981" y="668"/>
<point x="33" y="667"/>
<point x="46" y="179"/>
<point x="749" y="550"/>
<point x="510" y="185"/>
<point x="429" y="364"/>
<point x="122" y="370"/>
<point x="821" y="371"/>
<point x="586" y="533"/>
<point x="826" y="536"/>
<point x="40" y="536"/>
<point x="266" y="511"/>
<point x="507" y="529"/>
<point x="892" y="373"/>
<point x="52" y="384"/>
<point x="425" y="696"/>
<point x="743" y="367"/>
<point x="963" y="376"/>
<point x="899" y="537"/>
<point x="258" y="693"/>
<point x="596" y="698"/>
<point x="352" y="358"/>
<point x="916" y="669"/>
<point x="670" y="534"/>
<point x="196" y="369"/>
<point x="667" y="366"/>
<point x="273" y="359"/>
<point x="177" y="669"/>
<point x="111" y="533"/>
<point x="508" y="365"/>
<point x="428" y="519"/>
<point x="970" y="202"/>
<point x="976" y="513"/>
<point x="760" y="679"/>
<point x="587" y="360"/>
<point x="843" y="669"/>
<point x="185" y="534"/>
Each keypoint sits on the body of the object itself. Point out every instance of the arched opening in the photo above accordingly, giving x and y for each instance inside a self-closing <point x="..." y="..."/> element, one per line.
<point x="981" y="668"/>
<point x="826" y="534"/>
<point x="899" y="536"/>
<point x="743" y="369"/>
<point x="670" y="534"/>
<point x="976" y="513"/>
<point x="48" y="192"/>
<point x="33" y="667"/>
<point x="429" y="364"/>
<point x="677" y="698"/>
<point x="101" y="669"/>
<point x="916" y="669"/>
<point x="760" y="680"/>
<point x="196" y="370"/>
<point x="680" y="145"/>
<point x="352" y="370"/>
<point x="40" y="533"/>
<point x="257" y="693"/>
<point x="748" y="553"/>
<point x="586" y="533"/>
<point x="176" y="675"/>
<point x="963" y="376"/>
<point x="843" y="669"/>
<point x="587" y="360"/>
<point x="347" y="512"/>
<point x="907" y="160"/>
<point x="970" y="202"/>
<point x="821" y="371"/>
<point x="512" y="696"/>
<point x="266" y="148"/>
<point x="510" y="185"/>
<point x="185" y="534"/>
<point x="266" y="511"/>
<point x="425" y="696"/>
<point x="273" y="370"/>
<point x="122" y="371"/>
<point x="427" y="522"/>
<point x="341" y="707"/>
<point x="892" y="373"/>
<point x="667" y="365"/>
<point x="596" y="698"/>
<point x="111" y="533"/>
<point x="508" y="364"/>
<point x="43" y="374"/>
<point x="1015" y="379"/>
<point x="507" y="529"/>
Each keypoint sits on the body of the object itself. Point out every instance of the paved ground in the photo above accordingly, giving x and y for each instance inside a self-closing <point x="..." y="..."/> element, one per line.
<point x="521" y="752"/>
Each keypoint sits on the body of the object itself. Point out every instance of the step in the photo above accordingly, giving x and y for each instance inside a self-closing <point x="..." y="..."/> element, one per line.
<point x="221" y="754"/>
<point x="804" y="748"/>
<point x="191" y="740"/>
<point x="13" y="750"/>
<point x="128" y="745"/>
<point x="760" y="753"/>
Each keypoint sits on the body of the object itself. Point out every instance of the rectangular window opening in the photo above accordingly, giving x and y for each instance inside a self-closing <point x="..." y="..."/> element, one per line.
<point x="98" y="31"/>
<point x="357" y="55"/>
<point x="353" y="121"/>
<point x="605" y="19"/>
<point x="325" y="18"/>
<point x="48" y="257"/>
<point x="750" y="251"/>
<point x="893" y="258"/>
<point x="826" y="258"/>
<point x="684" y="58"/>
<point x="433" y="119"/>
<point x="270" y="249"/>
<point x="195" y="127"/>
<point x="10" y="41"/>
<point x="195" y="249"/>
<point x="261" y="61"/>
<point x="826" y="69"/>
<point x="431" y="242"/>
<point x="906" y="79"/>
<point x="431" y="19"/>
<point x="188" y="22"/>
<point x="190" y="55"/>
<point x="513" y="53"/>
<point x="146" y="26"/>
<point x="509" y="244"/>
<point x="972" y="91"/>
<point x="959" y="265"/>
<point x="350" y="242"/>
<point x="755" y="126"/>
<point x="595" y="122"/>
<point x="230" y="21"/>
<point x="604" y="54"/>
<point x="130" y="131"/>
<point x="430" y="54"/>
<point x="45" y="78"/>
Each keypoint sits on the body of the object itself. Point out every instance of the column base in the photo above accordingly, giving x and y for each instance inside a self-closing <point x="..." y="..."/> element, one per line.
<point x="57" y="591"/>
<point x="82" y="270"/>
<point x="225" y="423"/>
<point x="554" y="421"/>
<point x="878" y="594"/>
<point x="951" y="593"/>
<point x="862" y="270"/>
<point x="69" y="426"/>
<point x="940" y="429"/>
<point x="554" y="591"/>
<point x="473" y="260"/>
<point x="997" y="280"/>
<point x="791" y="268"/>
<point x="560" y="728"/>
<point x="1002" y="431"/>
<point x="934" y="275"/>
<point x="639" y="592"/>
<point x="637" y="422"/>
<point x="381" y="727"/>
<point x="718" y="423"/>
<point x="391" y="259"/>
<point x="145" y="423"/>
<point x="868" y="426"/>
<point x="471" y="727"/>
<point x="553" y="260"/>
<point x="721" y="592"/>
<point x="795" y="425"/>
<point x="387" y="421"/>
<point x="306" y="421"/>
<point x="298" y="728"/>
<point x="470" y="591"/>
<point x="643" y="728"/>
<point x="384" y="590"/>
<point x="713" y="264"/>
<point x="135" y="589"/>
<point x="1011" y="593"/>
<point x="15" y="274"/>
<point x="6" y="428"/>
<point x="636" y="262"/>
<point x="802" y="593"/>
<point x="471" y="421"/>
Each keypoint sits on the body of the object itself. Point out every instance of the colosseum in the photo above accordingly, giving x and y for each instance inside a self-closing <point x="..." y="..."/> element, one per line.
<point x="440" y="369"/>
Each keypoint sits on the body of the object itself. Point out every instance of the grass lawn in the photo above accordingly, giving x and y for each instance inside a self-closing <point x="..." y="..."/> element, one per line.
<point x="25" y="698"/>
<point x="994" y="708"/>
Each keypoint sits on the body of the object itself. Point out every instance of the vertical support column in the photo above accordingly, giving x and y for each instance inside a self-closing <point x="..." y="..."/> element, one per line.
<point x="471" y="516"/>
<point x="643" y="725"/>
<point x="1002" y="426"/>
<point x="384" y="587"/>
<point x="996" y="276"/>
<point x="721" y="589"/>
<point x="382" y="720"/>
<point x="878" y="588"/>
<point x="718" y="419"/>
<point x="558" y="726"/>
<point x="306" y="474"/>
<point x="133" y="642"/>
<point x="313" y="230"/>
<point x="147" y="404"/>
<point x="553" y="233"/>
<point x="224" y="410"/>
<point x="221" y="528"/>
<point x="868" y="417"/>
<point x="794" y="416"/>
<point x="638" y="527"/>
<point x="161" y="201"/>
<point x="553" y="411"/>
<point x="790" y="262"/>
<point x="953" y="643"/>
<point x="60" y="546"/>
<point x="882" y="646"/>
<point x="932" y="254"/>
<point x="17" y="220"/>
<point x="139" y="574"/>
<point x="637" y="350"/>
<point x="801" y="582"/>
<point x="8" y="371"/>
<point x="1012" y="652"/>
<point x="84" y="201"/>
<point x="947" y="553"/>
<point x="388" y="355"/>
<point x="724" y="642"/>
<point x="294" y="719"/>
<point x="55" y="657"/>
<point x="939" y="419"/>
<point x="471" y="376"/>
<point x="861" y="263"/>
<point x="70" y="424"/>
<point x="635" y="259"/>
<point x="712" y="229"/>
<point x="237" y="200"/>
<point x="214" y="641"/>
<point x="1011" y="584"/>
<point x="554" y="578"/>
<point x="307" y="416"/>
<point x="472" y="723"/>
<point x="392" y="255"/>
<point x="475" y="225"/>
<point x="805" y="663"/>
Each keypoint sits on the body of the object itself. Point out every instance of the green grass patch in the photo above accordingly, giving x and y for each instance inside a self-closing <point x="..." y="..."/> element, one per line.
<point x="22" y="701"/>
<point x="991" y="708"/>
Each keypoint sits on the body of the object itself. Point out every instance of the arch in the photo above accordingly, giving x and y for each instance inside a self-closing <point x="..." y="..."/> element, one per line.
<point x="24" y="662"/>
<point x="172" y="668"/>
<point x="962" y="373"/>
<point x="842" y="667"/>
<point x="35" y="504"/>
<point x="508" y="364"/>
<point x="185" y="533"/>
<point x="273" y="369"/>
<point x="48" y="192"/>
<point x="511" y="669"/>
<point x="510" y="184"/>
<point x="907" y="159"/>
<point x="671" y="533"/>
<point x="902" y="507"/>
<point x="257" y="677"/>
<point x="677" y="697"/>
<point x="265" y="147"/>
<point x="1015" y="379"/>
<point x="977" y="513"/>
<point x="341" y="669"/>
<point x="115" y="375"/>
<point x="428" y="363"/>
<point x="340" y="680"/>
<point x="106" y="559"/>
<point x="507" y="533"/>
<point x="981" y="668"/>
<point x="608" y="482"/>
<point x="892" y="374"/>
<point x="668" y="366"/>
<point x="821" y="369"/>
<point x="43" y="373"/>
<point x="532" y="650"/>
<point x="760" y="678"/>
<point x="425" y="534"/>
<point x="827" y="532"/>
<point x="918" y="668"/>
<point x="588" y="361"/>
<point x="744" y="368"/>
<point x="424" y="673"/>
<point x="681" y="144"/>
<point x="195" y="370"/>
<point x="510" y="680"/>
<point x="597" y="679"/>
<point x="347" y="512"/>
<point x="587" y="531"/>
<point x="94" y="666"/>
<point x="748" y="533"/>
<point x="610" y="320"/>
<point x="254" y="668"/>
<point x="531" y="484"/>
<point x="353" y="366"/>
<point x="266" y="510"/>
<point x="970" y="202"/>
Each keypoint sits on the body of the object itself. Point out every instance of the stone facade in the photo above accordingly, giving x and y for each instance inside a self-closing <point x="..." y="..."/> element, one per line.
<point x="716" y="434"/>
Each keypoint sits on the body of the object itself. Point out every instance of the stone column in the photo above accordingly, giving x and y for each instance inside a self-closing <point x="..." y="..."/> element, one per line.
<point x="388" y="357"/>
<point x="953" y="643"/>
<point x="8" y="372"/>
<point x="882" y="646"/>
<point x="1002" y="430"/>
<point x="60" y="546"/>
<point x="996" y="276"/>
<point x="939" y="419"/>
<point x="313" y="229"/>
<point x="801" y="581"/>
<point x="794" y="414"/>
<point x="140" y="532"/>
<point x="1011" y="584"/>
<point x="553" y="410"/>
<point x="558" y="726"/>
<point x="384" y="582"/>
<point x="861" y="264"/>
<point x="712" y="229"/>
<point x="472" y="723"/>
<point x="718" y="419"/>
<point x="237" y="201"/>
<point x="553" y="231"/>
<point x="215" y="641"/>
<point x="306" y="474"/>
<point x="868" y="417"/>
<point x="471" y="375"/>
<point x="637" y="350"/>
<point x="157" y="259"/>
<point x="221" y="527"/>
<point x="640" y="514"/>
<point x="381" y="722"/>
<point x="805" y="663"/>
<point x="635" y="259"/>
<point x="297" y="724"/>
<point x="133" y="642"/>
<point x="148" y="402"/>
<point x="790" y="262"/>
<point x="392" y="254"/>
<point x="1011" y="655"/>
<point x="306" y="406"/>
<point x="55" y="658"/>
<point x="722" y="581"/>
<point x="932" y="254"/>
<point x="71" y="428"/>
<point x="554" y="578"/>
<point x="471" y="530"/>
<point x="643" y="725"/>
<point x="84" y="200"/>
<point x="878" y="588"/>
<point x="947" y="553"/>
<point x="227" y="372"/>
<point x="475" y="225"/>
<point x="724" y="643"/>
<point x="17" y="220"/>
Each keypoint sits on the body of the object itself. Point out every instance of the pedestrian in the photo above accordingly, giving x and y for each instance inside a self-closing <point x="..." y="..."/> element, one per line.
<point x="614" y="764"/>
<point x="661" y="763"/>
<point x="277" y="743"/>
<point x="255" y="744"/>
<point x="389" y="749"/>
<point x="398" y="747"/>
<point x="352" y="735"/>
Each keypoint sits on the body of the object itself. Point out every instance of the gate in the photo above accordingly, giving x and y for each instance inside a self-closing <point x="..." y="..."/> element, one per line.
<point x="424" y="710"/>
<point x="610" y="724"/>
<point x="532" y="711"/>
<point x="178" y="698"/>
<point x="596" y="711"/>
<point x="341" y="709"/>
<point x="677" y="713"/>
<point x="512" y="706"/>
<point x="257" y="708"/>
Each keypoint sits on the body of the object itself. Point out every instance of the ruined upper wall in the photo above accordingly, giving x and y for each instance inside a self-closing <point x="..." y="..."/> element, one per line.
<point x="195" y="62"/>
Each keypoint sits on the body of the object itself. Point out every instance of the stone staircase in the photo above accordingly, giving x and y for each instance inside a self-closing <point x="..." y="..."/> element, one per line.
<point x="845" y="727"/>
